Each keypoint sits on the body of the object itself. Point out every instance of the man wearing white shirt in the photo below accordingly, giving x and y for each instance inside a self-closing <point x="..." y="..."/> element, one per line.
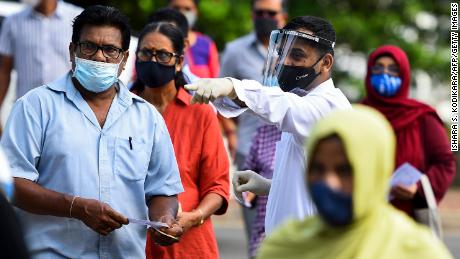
<point x="299" y="61"/>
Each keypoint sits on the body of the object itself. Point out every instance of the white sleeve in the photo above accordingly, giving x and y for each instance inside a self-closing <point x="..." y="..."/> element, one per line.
<point x="289" y="112"/>
<point x="227" y="108"/>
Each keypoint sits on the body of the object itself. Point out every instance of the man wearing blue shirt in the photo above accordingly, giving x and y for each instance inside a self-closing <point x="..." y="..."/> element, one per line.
<point x="87" y="154"/>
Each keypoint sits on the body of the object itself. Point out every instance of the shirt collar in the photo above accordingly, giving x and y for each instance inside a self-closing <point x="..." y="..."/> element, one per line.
<point x="60" y="13"/>
<point x="324" y="86"/>
<point x="65" y="84"/>
<point x="183" y="96"/>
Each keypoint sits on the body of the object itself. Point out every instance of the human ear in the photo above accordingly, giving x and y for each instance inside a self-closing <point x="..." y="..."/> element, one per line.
<point x="179" y="63"/>
<point x="327" y="63"/>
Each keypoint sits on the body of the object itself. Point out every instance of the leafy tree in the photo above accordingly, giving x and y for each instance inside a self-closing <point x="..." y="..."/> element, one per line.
<point x="421" y="28"/>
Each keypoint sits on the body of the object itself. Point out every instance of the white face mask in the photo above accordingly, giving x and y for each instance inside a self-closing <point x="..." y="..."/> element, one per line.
<point x="32" y="3"/>
<point x="191" y="17"/>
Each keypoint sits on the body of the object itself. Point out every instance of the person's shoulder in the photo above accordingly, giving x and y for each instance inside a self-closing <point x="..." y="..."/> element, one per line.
<point x="70" y="6"/>
<point x="145" y="108"/>
<point x="15" y="17"/>
<point x="205" y="38"/>
<point x="282" y="241"/>
<point x="334" y="96"/>
<point x="70" y="9"/>
<point x="416" y="238"/>
<point x="240" y="42"/>
<point x="203" y="110"/>
<point x="39" y="97"/>
<point x="198" y="110"/>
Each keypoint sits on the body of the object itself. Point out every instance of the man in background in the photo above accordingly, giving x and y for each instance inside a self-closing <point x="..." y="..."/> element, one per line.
<point x="34" y="42"/>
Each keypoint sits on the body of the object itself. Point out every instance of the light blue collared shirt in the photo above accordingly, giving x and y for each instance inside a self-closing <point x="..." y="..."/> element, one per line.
<point x="53" y="138"/>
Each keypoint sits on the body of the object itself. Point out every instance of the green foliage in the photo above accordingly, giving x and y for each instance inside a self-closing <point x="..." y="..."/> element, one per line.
<point x="365" y="25"/>
<point x="225" y="20"/>
<point x="362" y="25"/>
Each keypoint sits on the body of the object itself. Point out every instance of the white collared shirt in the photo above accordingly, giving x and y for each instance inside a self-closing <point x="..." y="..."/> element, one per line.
<point x="295" y="116"/>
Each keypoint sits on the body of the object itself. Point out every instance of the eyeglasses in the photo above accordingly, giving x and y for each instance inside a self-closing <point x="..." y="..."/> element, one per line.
<point x="161" y="56"/>
<point x="89" y="49"/>
<point x="379" y="69"/>
<point x="264" y="13"/>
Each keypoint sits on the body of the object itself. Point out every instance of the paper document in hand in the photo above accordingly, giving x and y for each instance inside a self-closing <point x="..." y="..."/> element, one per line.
<point x="153" y="224"/>
<point x="406" y="175"/>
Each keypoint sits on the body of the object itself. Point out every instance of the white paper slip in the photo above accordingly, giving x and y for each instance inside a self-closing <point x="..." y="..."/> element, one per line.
<point x="153" y="224"/>
<point x="242" y="199"/>
<point x="406" y="175"/>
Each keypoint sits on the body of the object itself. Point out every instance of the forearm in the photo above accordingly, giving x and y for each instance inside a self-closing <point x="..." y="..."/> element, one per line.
<point x="210" y="204"/>
<point x="4" y="83"/>
<point x="6" y="65"/>
<point x="160" y="206"/>
<point x="33" y="198"/>
<point x="228" y="125"/>
<point x="287" y="111"/>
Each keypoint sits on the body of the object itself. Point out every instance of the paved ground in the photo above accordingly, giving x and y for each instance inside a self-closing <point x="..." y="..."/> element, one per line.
<point x="232" y="240"/>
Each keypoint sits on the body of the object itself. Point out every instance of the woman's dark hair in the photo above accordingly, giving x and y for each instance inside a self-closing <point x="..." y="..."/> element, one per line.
<point x="100" y="15"/>
<point x="170" y="15"/>
<point x="318" y="26"/>
<point x="174" y="34"/>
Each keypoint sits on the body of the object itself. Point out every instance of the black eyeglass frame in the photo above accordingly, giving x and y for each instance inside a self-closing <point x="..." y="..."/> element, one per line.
<point x="103" y="48"/>
<point x="149" y="54"/>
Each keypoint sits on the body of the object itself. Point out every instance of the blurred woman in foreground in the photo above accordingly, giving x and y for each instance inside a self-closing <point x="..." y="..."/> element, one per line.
<point x="352" y="157"/>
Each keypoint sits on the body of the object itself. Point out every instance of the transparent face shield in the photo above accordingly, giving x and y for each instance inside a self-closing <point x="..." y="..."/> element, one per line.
<point x="292" y="57"/>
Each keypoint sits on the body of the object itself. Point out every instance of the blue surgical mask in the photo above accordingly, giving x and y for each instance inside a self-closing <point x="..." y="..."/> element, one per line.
<point x="386" y="85"/>
<point x="95" y="76"/>
<point x="334" y="207"/>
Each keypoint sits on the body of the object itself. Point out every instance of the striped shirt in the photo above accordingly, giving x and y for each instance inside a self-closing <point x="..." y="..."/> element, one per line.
<point x="38" y="44"/>
<point x="261" y="159"/>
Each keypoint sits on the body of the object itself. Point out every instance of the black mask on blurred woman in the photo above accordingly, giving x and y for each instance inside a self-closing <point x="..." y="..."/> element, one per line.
<point x="264" y="26"/>
<point x="153" y="74"/>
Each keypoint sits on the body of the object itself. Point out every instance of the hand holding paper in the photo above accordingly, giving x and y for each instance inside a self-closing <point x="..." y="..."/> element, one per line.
<point x="404" y="182"/>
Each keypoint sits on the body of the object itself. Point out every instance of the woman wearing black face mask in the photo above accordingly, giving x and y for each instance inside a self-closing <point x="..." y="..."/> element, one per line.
<point x="196" y="137"/>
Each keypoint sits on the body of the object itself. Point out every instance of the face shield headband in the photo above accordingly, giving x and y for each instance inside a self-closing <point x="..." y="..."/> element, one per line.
<point x="287" y="50"/>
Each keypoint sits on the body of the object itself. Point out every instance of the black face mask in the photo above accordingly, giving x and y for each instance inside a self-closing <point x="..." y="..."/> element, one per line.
<point x="264" y="26"/>
<point x="292" y="77"/>
<point x="153" y="74"/>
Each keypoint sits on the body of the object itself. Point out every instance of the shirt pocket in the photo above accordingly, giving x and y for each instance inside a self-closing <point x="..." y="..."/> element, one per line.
<point x="131" y="158"/>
